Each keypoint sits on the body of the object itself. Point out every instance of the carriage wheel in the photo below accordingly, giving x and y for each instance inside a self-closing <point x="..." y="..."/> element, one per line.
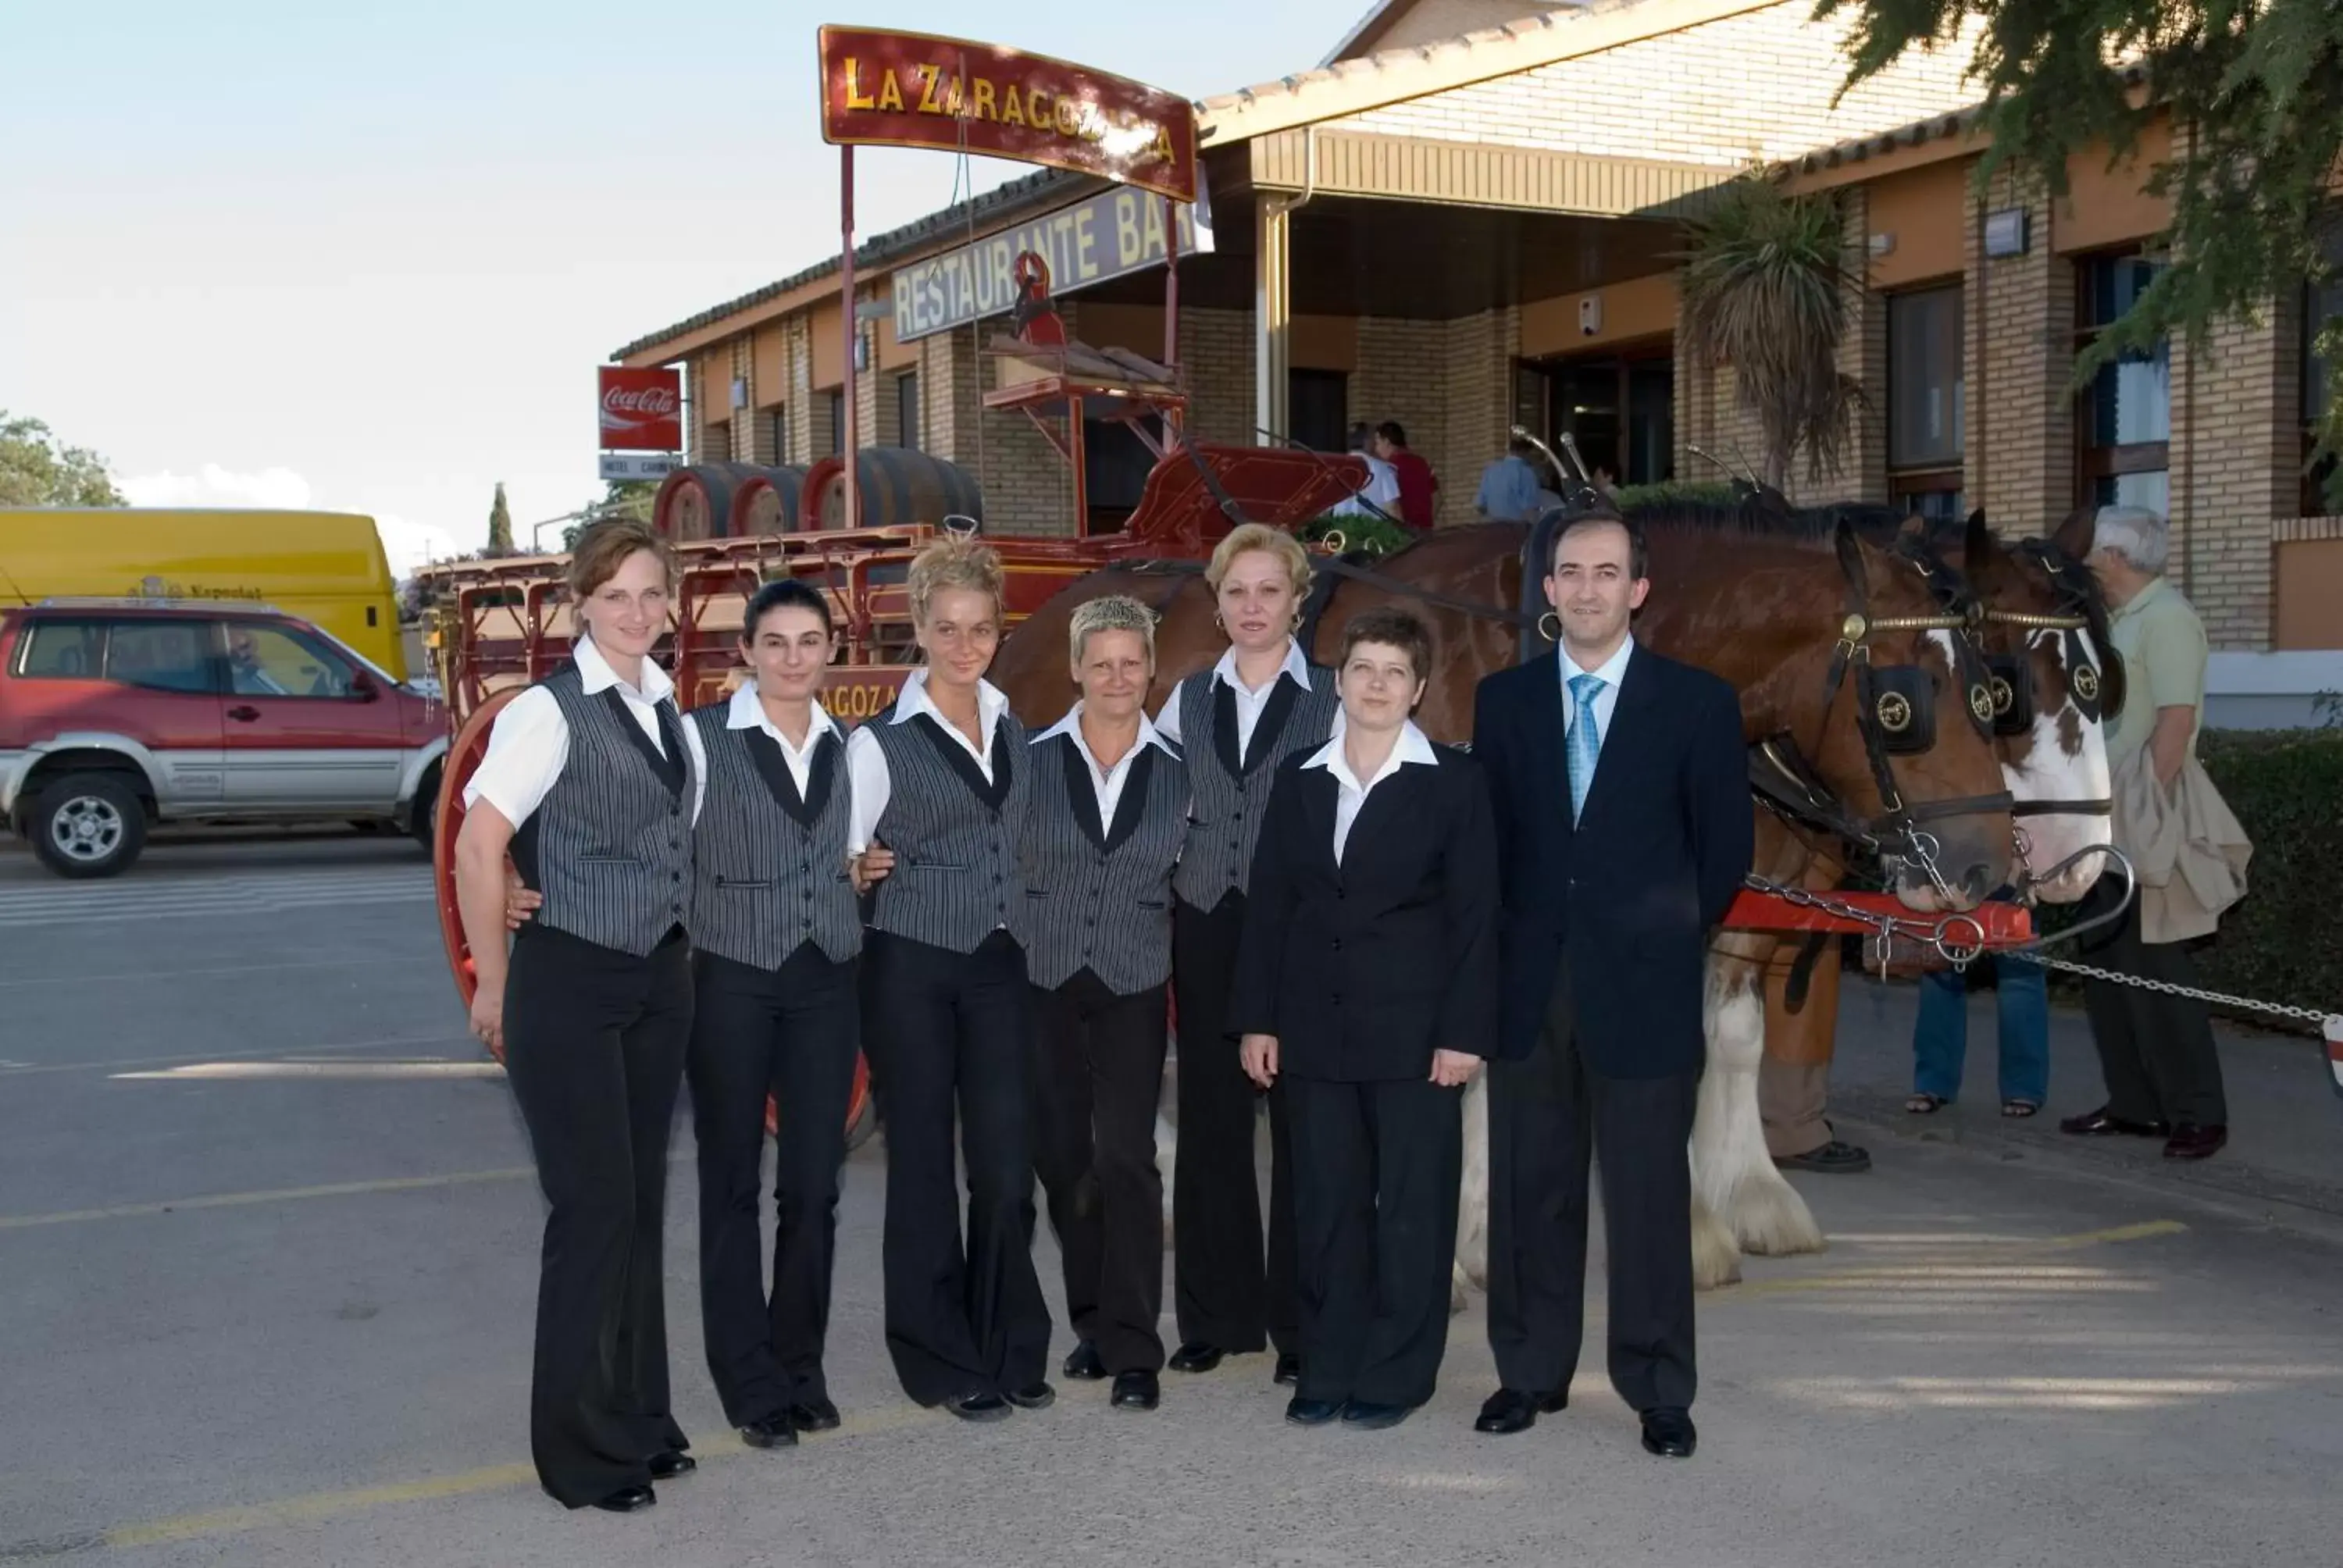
<point x="464" y="755"/>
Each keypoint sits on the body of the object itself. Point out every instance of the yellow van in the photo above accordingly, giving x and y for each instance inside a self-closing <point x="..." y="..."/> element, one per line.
<point x="326" y="567"/>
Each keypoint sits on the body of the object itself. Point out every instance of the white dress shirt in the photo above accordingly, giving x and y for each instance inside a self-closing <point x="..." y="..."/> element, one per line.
<point x="1249" y="702"/>
<point x="1381" y="489"/>
<point x="528" y="745"/>
<point x="866" y="764"/>
<point x="1613" y="670"/>
<point x="748" y="712"/>
<point x="1106" y="783"/>
<point x="1350" y="794"/>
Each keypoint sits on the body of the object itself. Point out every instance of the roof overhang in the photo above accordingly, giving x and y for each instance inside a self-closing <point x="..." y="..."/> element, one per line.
<point x="1476" y="174"/>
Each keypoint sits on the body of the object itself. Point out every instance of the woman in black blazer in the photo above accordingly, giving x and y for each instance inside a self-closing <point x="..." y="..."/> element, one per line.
<point x="1366" y="983"/>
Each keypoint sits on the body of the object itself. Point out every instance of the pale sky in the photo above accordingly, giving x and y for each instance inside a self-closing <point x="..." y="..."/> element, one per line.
<point x="364" y="256"/>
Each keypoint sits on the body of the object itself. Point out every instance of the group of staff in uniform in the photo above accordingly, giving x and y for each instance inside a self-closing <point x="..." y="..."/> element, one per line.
<point x="742" y="895"/>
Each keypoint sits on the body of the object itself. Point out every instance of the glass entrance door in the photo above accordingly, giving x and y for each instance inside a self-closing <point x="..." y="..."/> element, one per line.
<point x="1618" y="408"/>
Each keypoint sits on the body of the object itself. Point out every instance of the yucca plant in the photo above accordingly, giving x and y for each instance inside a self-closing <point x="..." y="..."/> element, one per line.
<point x="1767" y="285"/>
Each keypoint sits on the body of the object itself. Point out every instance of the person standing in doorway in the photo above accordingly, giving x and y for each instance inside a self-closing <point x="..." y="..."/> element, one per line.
<point x="593" y="783"/>
<point x="1419" y="487"/>
<point x="1620" y="789"/>
<point x="1261" y="703"/>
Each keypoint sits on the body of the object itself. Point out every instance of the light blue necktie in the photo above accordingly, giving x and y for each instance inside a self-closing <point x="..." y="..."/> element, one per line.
<point x="1586" y="741"/>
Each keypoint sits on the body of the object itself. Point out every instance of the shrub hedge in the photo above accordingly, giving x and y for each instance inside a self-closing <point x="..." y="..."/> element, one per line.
<point x="2283" y="941"/>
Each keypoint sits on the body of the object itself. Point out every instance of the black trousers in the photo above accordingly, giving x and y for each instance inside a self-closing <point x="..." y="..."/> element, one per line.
<point x="1547" y="1112"/>
<point x="1226" y="1292"/>
<point x="952" y="1033"/>
<point x="2156" y="1050"/>
<point x="1097" y="1078"/>
<point x="594" y="1047"/>
<point x="791" y="1032"/>
<point x="1376" y="1167"/>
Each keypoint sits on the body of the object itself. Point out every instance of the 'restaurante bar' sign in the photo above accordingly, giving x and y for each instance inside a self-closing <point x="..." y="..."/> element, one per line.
<point x="914" y="90"/>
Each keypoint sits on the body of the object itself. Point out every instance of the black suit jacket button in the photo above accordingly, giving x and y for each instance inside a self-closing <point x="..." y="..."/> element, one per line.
<point x="1338" y="944"/>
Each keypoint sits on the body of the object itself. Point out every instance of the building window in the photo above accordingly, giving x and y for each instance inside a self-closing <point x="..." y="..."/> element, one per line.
<point x="2321" y="303"/>
<point x="1925" y="392"/>
<point x="907" y="409"/>
<point x="836" y="423"/>
<point x="2124" y="422"/>
<point x="779" y="430"/>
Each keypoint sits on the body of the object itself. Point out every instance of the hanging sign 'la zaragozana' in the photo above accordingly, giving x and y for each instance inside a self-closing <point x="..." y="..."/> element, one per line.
<point x="914" y="90"/>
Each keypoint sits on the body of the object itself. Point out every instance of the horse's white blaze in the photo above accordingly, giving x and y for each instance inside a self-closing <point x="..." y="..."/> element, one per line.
<point x="2051" y="772"/>
<point x="1732" y="1175"/>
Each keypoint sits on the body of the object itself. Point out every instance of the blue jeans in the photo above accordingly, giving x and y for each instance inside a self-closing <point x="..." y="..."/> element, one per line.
<point x="1941" y="1039"/>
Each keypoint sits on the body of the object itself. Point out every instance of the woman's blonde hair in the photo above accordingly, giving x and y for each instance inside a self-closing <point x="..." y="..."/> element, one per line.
<point x="1113" y="612"/>
<point x="1248" y="536"/>
<point x="957" y="563"/>
<point x="605" y="546"/>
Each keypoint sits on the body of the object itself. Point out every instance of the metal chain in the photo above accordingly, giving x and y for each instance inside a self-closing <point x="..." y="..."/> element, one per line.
<point x="1960" y="954"/>
<point x="2310" y="1015"/>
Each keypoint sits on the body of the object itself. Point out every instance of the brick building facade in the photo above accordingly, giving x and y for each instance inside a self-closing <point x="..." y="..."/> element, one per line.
<point x="1477" y="230"/>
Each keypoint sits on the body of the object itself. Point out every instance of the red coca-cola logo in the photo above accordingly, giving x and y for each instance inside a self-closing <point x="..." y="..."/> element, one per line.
<point x="642" y="410"/>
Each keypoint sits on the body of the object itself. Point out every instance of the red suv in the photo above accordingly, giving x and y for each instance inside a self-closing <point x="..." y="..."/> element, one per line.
<point x="116" y="714"/>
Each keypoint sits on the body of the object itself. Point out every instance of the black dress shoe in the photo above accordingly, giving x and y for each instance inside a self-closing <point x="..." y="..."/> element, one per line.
<point x="1135" y="1391"/>
<point x="1312" y="1411"/>
<point x="983" y="1406"/>
<point x="1289" y="1369"/>
<point x="1196" y="1356"/>
<point x="1668" y="1432"/>
<point x="1033" y="1396"/>
<point x="814" y="1415"/>
<point x="1084" y="1363"/>
<point x="2100" y="1124"/>
<point x="773" y="1431"/>
<point x="2193" y="1140"/>
<point x="1509" y="1410"/>
<point x="667" y="1466"/>
<point x="1367" y="1417"/>
<point x="626" y="1499"/>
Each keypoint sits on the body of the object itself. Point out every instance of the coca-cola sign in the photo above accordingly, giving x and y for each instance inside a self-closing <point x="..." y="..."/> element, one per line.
<point x="642" y="410"/>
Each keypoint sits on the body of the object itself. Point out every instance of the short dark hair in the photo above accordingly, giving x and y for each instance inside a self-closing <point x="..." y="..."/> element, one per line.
<point x="1520" y="447"/>
<point x="786" y="593"/>
<point x="1639" y="553"/>
<point x="1394" y="628"/>
<point x="1391" y="430"/>
<point x="1360" y="437"/>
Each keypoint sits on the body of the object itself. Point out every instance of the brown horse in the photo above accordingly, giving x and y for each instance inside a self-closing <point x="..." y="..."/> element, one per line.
<point x="1774" y="613"/>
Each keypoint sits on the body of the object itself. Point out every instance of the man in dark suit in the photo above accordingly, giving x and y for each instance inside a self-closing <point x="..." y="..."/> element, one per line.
<point x="1620" y="789"/>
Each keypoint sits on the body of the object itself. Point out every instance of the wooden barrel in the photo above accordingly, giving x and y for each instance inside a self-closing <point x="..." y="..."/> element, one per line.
<point x="696" y="502"/>
<point x="766" y="502"/>
<point x="895" y="485"/>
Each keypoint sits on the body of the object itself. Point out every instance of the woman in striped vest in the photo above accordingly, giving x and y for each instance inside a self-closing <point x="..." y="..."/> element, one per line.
<point x="776" y="928"/>
<point x="593" y="781"/>
<point x="941" y="785"/>
<point x="1109" y="816"/>
<point x="1260" y="704"/>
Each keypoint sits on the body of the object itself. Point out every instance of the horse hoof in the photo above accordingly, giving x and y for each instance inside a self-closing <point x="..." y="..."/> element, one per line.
<point x="1716" y="1261"/>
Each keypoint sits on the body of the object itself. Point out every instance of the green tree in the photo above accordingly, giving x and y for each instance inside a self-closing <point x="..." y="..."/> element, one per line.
<point x="38" y="471"/>
<point x="1767" y="287"/>
<point x="2255" y="91"/>
<point x="624" y="499"/>
<point x="500" y="525"/>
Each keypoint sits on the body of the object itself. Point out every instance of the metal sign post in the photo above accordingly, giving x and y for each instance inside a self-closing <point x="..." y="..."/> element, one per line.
<point x="853" y="518"/>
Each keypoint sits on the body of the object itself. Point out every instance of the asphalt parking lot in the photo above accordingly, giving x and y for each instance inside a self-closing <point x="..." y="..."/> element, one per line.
<point x="267" y="1260"/>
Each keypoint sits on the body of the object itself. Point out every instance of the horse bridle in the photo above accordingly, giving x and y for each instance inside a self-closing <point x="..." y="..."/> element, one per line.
<point x="1895" y="717"/>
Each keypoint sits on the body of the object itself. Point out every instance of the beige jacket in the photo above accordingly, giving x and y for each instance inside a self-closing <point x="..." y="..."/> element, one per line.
<point x="2188" y="849"/>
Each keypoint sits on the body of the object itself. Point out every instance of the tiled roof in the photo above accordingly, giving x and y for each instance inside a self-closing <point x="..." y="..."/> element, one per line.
<point x="1935" y="128"/>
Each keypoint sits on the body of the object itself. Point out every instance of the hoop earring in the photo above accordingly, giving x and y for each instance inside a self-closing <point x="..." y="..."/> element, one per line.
<point x="1554" y="636"/>
<point x="1219" y="625"/>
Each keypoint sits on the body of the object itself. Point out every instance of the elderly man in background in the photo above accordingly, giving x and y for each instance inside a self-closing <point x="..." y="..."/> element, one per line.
<point x="2155" y="1049"/>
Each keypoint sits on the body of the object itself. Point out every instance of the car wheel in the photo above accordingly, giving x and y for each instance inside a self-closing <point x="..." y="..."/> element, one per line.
<point x="424" y="816"/>
<point x="88" y="825"/>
